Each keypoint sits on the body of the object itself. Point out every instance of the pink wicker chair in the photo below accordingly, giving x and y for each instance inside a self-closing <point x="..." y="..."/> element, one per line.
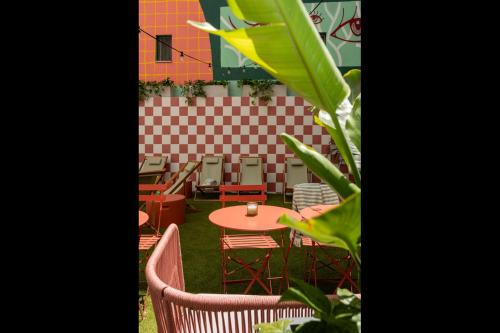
<point x="179" y="311"/>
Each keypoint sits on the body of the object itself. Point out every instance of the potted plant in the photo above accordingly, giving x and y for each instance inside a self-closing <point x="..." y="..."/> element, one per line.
<point x="296" y="56"/>
<point x="192" y="89"/>
<point x="261" y="90"/>
<point x="216" y="88"/>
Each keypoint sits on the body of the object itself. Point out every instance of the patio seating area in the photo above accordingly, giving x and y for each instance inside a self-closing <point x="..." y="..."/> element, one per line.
<point x="201" y="258"/>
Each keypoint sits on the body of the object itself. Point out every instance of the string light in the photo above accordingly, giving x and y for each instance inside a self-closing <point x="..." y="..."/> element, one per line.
<point x="228" y="71"/>
<point x="182" y="56"/>
<point x="243" y="70"/>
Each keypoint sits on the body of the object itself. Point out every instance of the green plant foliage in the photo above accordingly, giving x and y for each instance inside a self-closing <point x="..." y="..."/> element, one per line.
<point x="353" y="79"/>
<point x="353" y="123"/>
<point x="191" y="89"/>
<point x="152" y="88"/>
<point x="261" y="89"/>
<point x="217" y="83"/>
<point x="341" y="315"/>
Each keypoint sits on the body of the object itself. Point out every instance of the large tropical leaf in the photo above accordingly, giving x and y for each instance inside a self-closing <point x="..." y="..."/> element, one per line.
<point x="353" y="79"/>
<point x="340" y="226"/>
<point x="353" y="123"/>
<point x="310" y="296"/>
<point x="337" y="133"/>
<point x="288" y="47"/>
<point x="321" y="167"/>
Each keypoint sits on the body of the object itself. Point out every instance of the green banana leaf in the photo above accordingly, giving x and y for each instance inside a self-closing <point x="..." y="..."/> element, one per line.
<point x="353" y="79"/>
<point x="308" y="295"/>
<point x="340" y="226"/>
<point x="324" y="119"/>
<point x="353" y="123"/>
<point x="321" y="167"/>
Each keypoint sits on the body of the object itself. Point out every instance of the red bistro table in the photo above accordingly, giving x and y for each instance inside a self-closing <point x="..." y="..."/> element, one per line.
<point x="235" y="218"/>
<point x="313" y="211"/>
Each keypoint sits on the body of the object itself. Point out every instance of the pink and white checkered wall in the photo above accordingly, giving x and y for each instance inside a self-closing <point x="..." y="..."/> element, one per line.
<point x="231" y="126"/>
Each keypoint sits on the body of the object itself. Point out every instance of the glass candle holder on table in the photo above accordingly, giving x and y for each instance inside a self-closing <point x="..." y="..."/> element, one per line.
<point x="252" y="209"/>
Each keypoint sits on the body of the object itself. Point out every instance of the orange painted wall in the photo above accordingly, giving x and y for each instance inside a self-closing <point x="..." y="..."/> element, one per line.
<point x="168" y="17"/>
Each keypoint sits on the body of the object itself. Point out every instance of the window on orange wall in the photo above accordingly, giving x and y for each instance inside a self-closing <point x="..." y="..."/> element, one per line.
<point x="163" y="52"/>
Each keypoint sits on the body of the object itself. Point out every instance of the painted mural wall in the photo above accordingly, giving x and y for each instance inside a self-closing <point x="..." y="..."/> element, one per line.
<point x="168" y="17"/>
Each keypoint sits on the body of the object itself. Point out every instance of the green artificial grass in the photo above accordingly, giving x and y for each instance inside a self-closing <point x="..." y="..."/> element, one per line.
<point x="202" y="258"/>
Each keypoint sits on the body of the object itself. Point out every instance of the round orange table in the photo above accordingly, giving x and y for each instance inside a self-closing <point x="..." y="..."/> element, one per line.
<point x="143" y="218"/>
<point x="235" y="218"/>
<point x="313" y="211"/>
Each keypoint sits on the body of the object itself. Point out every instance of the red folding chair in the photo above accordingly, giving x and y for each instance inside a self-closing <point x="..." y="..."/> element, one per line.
<point x="232" y="244"/>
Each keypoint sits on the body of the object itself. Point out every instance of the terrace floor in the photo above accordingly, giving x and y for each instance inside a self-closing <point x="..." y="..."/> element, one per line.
<point x="201" y="258"/>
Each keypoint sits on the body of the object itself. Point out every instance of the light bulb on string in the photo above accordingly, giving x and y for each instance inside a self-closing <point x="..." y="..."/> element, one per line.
<point x="228" y="71"/>
<point x="243" y="70"/>
<point x="182" y="56"/>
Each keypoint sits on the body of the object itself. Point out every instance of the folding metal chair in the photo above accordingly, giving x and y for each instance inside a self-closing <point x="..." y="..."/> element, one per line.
<point x="147" y="241"/>
<point x="232" y="244"/>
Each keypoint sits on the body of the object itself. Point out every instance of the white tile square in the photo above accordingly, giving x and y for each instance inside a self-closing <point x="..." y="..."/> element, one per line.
<point x="209" y="130"/>
<point x="271" y="159"/>
<point x="280" y="149"/>
<point x="218" y="139"/>
<point x="192" y="130"/>
<point x="254" y="139"/>
<point x="227" y="111"/>
<point x="174" y="130"/>
<point x="192" y="149"/>
<point x="254" y="120"/>
<point x="280" y="168"/>
<point x="271" y="120"/>
<point x="218" y="120"/>
<point x="174" y="111"/>
<point x="174" y="149"/>
<point x="157" y="149"/>
<point x="245" y="111"/>
<point x="148" y="102"/>
<point x="262" y="129"/>
<point x="227" y="149"/>
<point x="148" y="139"/>
<point x="290" y="100"/>
<point x="157" y="111"/>
<point x="316" y="130"/>
<point x="262" y="149"/>
<point x="148" y="121"/>
<point x="200" y="120"/>
<point x="183" y="139"/>
<point x="192" y="111"/>
<point x="200" y="139"/>
<point x="209" y="149"/>
<point x="308" y="120"/>
<point x="218" y="101"/>
<point x="298" y="130"/>
<point x="142" y="130"/>
<point x="165" y="120"/>
<point x="272" y="139"/>
<point x="236" y="101"/>
<point x="183" y="121"/>
<point x="165" y="139"/>
<point x="245" y="130"/>
<point x="236" y="140"/>
<point x="142" y="111"/>
<point x="289" y="120"/>
<point x="280" y="110"/>
<point x="209" y="111"/>
<point x="141" y="149"/>
<point x="235" y="158"/>
<point x="244" y="149"/>
<point x="227" y="130"/>
<point x="157" y="130"/>
<point x="236" y="120"/>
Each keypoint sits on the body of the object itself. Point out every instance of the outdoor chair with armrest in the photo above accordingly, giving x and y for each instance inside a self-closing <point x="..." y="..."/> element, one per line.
<point x="152" y="169"/>
<point x="179" y="311"/>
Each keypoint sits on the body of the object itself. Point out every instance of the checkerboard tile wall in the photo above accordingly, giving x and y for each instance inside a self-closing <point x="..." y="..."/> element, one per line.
<point x="231" y="126"/>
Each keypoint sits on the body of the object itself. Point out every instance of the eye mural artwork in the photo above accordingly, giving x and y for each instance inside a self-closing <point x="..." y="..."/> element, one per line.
<point x="338" y="23"/>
